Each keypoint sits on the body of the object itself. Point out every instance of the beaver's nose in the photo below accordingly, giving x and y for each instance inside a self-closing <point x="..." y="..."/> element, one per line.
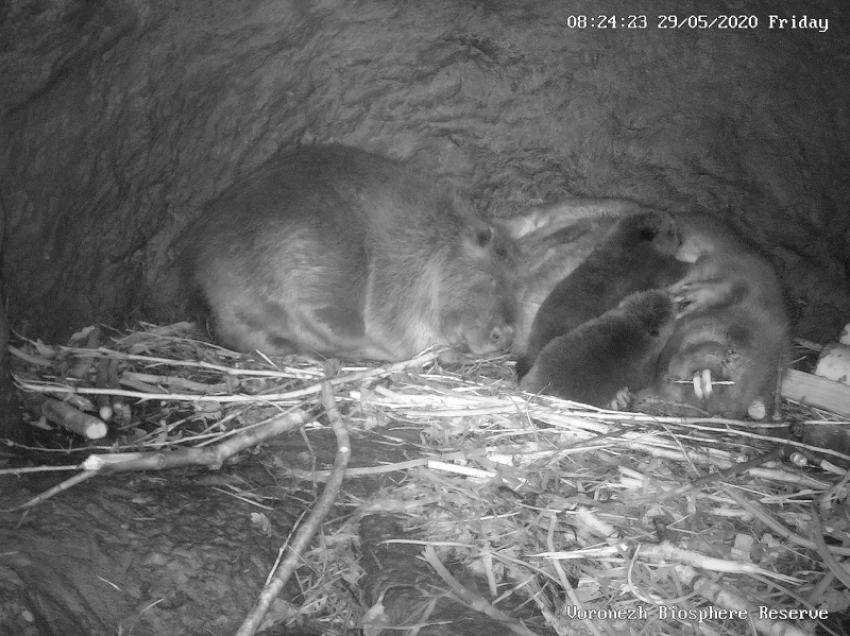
<point x="502" y="336"/>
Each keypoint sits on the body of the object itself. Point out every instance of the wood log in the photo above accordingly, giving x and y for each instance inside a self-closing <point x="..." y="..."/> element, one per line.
<point x="815" y="391"/>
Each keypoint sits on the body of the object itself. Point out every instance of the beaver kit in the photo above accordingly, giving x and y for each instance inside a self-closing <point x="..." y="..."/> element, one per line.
<point x="636" y="254"/>
<point x="730" y="339"/>
<point x="597" y="360"/>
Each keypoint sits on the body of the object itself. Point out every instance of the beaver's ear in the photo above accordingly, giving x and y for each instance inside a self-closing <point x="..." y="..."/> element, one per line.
<point x="478" y="238"/>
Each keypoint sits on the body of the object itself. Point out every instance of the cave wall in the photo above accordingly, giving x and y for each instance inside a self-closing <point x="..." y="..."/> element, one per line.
<point x="119" y="120"/>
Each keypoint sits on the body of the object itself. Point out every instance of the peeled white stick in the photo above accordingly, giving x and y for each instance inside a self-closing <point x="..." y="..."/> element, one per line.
<point x="697" y="386"/>
<point x="103" y="401"/>
<point x="702" y="384"/>
<point x="68" y="417"/>
<point x="298" y="545"/>
<point x="706" y="383"/>
<point x="212" y="456"/>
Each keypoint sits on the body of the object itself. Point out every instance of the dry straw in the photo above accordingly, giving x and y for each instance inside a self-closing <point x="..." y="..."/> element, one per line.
<point x="607" y="523"/>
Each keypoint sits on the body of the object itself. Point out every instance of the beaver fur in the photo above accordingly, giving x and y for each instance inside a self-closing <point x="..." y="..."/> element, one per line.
<point x="637" y="253"/>
<point x="597" y="360"/>
<point x="734" y="325"/>
<point x="338" y="252"/>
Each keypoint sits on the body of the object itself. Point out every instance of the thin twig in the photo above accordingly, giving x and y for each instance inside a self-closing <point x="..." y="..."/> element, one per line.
<point x="273" y="588"/>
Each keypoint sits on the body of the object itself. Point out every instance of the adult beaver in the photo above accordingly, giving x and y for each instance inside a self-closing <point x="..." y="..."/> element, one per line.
<point x="734" y="327"/>
<point x="336" y="251"/>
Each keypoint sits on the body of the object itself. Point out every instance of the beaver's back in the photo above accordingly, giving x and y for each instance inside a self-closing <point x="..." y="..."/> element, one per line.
<point x="340" y="252"/>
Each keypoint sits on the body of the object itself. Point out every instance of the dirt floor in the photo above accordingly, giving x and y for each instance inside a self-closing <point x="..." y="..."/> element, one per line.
<point x="181" y="552"/>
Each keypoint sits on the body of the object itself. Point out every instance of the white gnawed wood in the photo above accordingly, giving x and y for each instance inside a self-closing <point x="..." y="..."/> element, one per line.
<point x="818" y="392"/>
<point x="834" y="363"/>
<point x="844" y="337"/>
<point x="73" y="420"/>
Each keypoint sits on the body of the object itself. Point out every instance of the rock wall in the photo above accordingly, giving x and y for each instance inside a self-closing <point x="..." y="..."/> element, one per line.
<point x="119" y="120"/>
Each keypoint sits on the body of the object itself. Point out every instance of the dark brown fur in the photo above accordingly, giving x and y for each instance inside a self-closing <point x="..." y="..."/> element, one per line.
<point x="636" y="254"/>
<point x="339" y="252"/>
<point x="737" y="343"/>
<point x="726" y="268"/>
<point x="598" y="359"/>
<point x="734" y="323"/>
<point x="550" y="242"/>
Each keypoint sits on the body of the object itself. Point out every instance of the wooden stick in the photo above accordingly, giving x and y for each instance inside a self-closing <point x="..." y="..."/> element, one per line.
<point x="666" y="551"/>
<point x="729" y="600"/>
<point x="149" y="392"/>
<point x="68" y="417"/>
<point x="60" y="487"/>
<point x="823" y="549"/>
<point x="726" y="473"/>
<point x="212" y="456"/>
<point x="272" y="589"/>
<point x="815" y="391"/>
<point x="104" y="404"/>
<point x="565" y="582"/>
<point x="471" y="599"/>
<point x="81" y="368"/>
<point x="120" y="408"/>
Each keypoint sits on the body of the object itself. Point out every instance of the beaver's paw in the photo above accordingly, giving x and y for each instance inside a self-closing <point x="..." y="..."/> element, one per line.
<point x="622" y="401"/>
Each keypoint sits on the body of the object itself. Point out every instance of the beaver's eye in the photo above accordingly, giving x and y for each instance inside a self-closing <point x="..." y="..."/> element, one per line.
<point x="647" y="234"/>
<point x="484" y="236"/>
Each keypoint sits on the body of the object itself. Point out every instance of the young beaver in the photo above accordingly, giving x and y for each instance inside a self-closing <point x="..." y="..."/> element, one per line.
<point x="597" y="360"/>
<point x="638" y="253"/>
